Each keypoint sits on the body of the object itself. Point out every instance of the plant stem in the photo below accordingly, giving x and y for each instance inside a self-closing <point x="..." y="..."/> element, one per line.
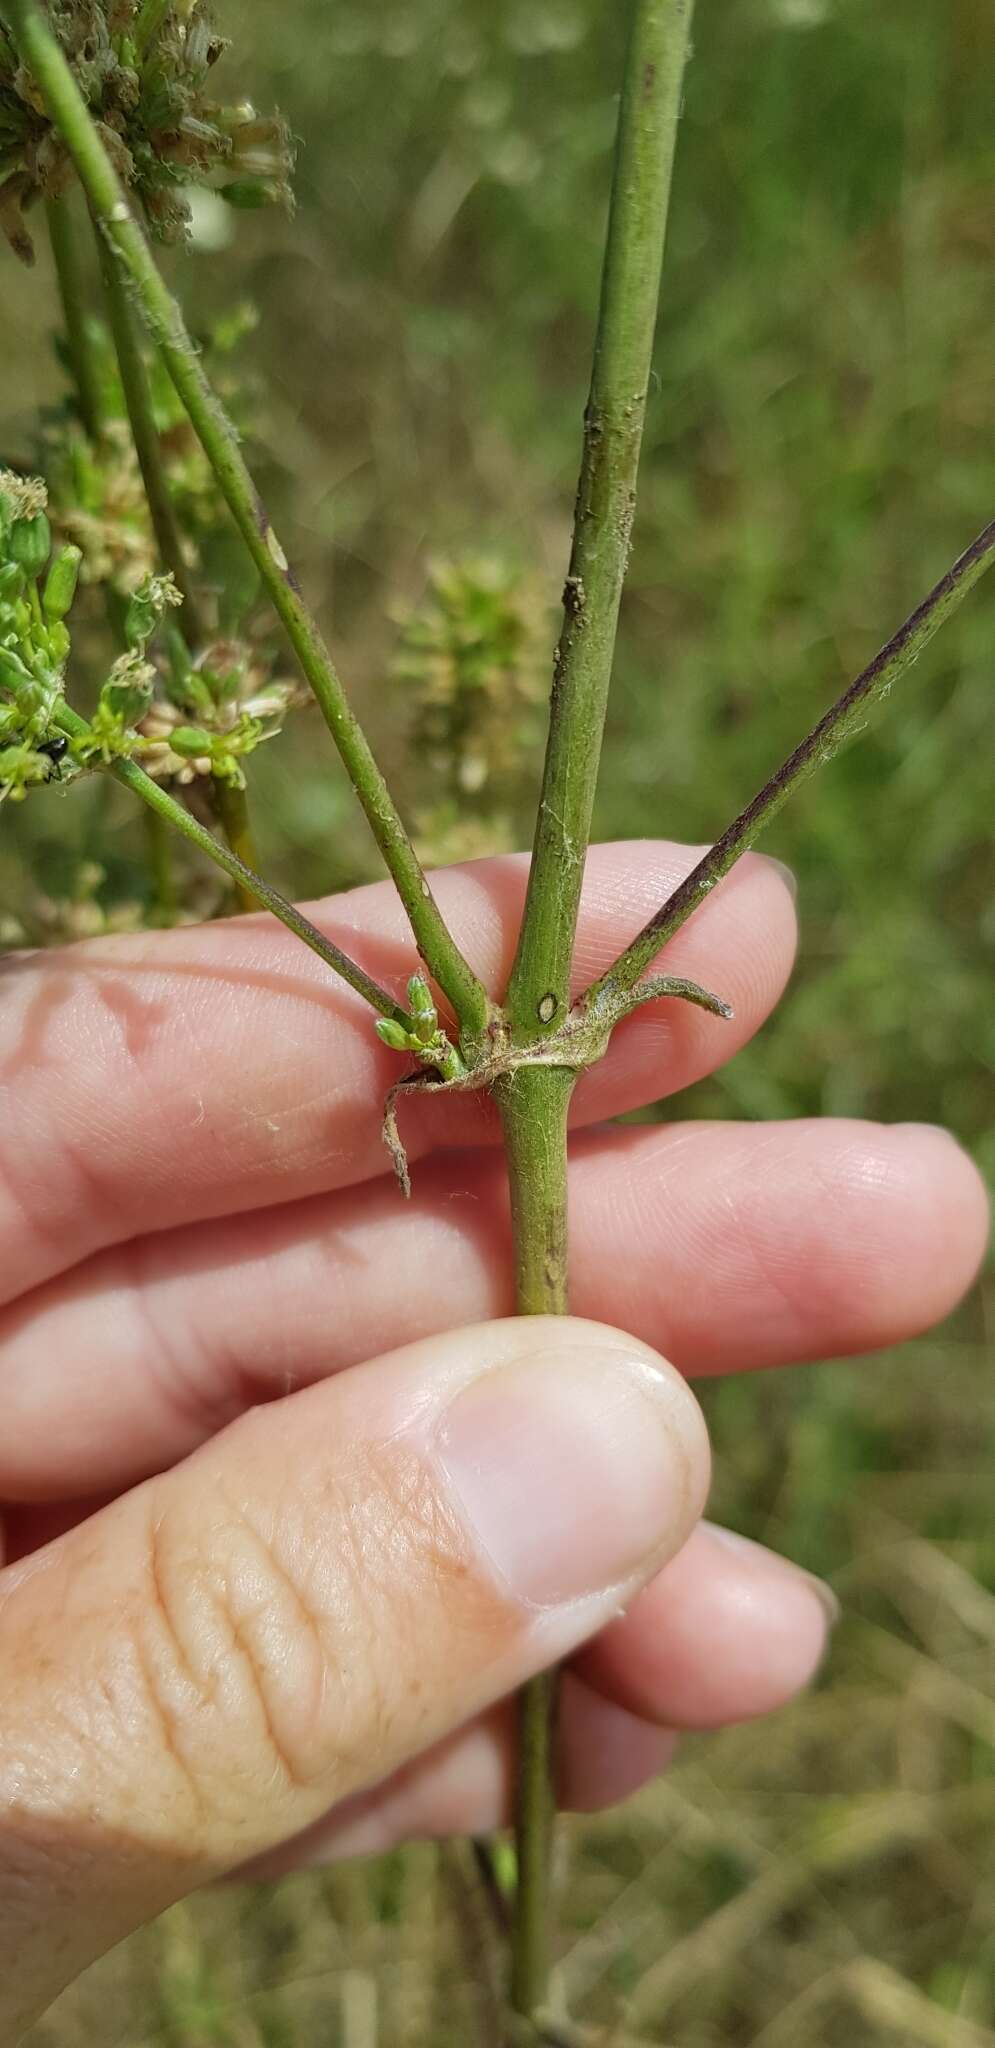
<point x="160" y="867"/>
<point x="533" y="1104"/>
<point x="845" y="717"/>
<point x="159" y="800"/>
<point x="220" y="443"/>
<point x="62" y="234"/>
<point x="145" y="434"/>
<point x="613" y="427"/>
<point x="231" y="804"/>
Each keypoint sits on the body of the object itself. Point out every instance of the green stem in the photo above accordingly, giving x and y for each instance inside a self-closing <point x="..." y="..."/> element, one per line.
<point x="845" y="718"/>
<point x="533" y="1104"/>
<point x="63" y="236"/>
<point x="166" y="806"/>
<point x="232" y="806"/>
<point x="145" y="434"/>
<point x="159" y="846"/>
<point x="218" y="438"/>
<point x="613" y="427"/>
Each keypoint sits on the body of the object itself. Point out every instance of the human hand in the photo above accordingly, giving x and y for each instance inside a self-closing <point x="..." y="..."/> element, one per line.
<point x="271" y="1576"/>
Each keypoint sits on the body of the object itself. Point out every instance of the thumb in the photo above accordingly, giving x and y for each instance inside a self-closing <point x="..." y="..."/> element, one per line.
<point x="208" y="1665"/>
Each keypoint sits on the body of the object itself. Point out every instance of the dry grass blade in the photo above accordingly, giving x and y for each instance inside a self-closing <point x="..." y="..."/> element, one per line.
<point x="865" y="1829"/>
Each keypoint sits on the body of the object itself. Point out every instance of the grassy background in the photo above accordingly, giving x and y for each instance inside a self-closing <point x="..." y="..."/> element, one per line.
<point x="820" y="443"/>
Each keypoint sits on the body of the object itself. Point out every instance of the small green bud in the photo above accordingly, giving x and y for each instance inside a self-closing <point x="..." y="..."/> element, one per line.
<point x="393" y="1034"/>
<point x="30" y="543"/>
<point x="420" y="997"/>
<point x="140" y="620"/>
<point x="126" y="696"/>
<point x="13" y="673"/>
<point x="190" y="741"/>
<point x="11" y="582"/>
<point x="423" y="1010"/>
<point x="60" y="587"/>
<point x="146" y="607"/>
<point x="59" y="642"/>
<point x="247" y="195"/>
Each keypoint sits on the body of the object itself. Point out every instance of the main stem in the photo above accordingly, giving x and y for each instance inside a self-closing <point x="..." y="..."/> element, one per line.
<point x="63" y="236"/>
<point x="606" y="498"/>
<point x="219" y="440"/>
<point x="533" y="1104"/>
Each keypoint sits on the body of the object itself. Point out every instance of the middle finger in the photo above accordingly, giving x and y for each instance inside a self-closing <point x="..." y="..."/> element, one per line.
<point x="726" y="1246"/>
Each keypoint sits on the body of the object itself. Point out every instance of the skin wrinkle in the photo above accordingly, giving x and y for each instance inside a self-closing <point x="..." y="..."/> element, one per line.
<point x="184" y="1390"/>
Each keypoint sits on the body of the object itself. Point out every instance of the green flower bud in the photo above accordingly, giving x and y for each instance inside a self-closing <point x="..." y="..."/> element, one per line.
<point x="30" y="543"/>
<point x="190" y="741"/>
<point x="140" y="620"/>
<point x="125" y="701"/>
<point x="11" y="582"/>
<point x="60" y="587"/>
<point x="423" y="1010"/>
<point x="247" y="195"/>
<point x="420" y="997"/>
<point x="393" y="1034"/>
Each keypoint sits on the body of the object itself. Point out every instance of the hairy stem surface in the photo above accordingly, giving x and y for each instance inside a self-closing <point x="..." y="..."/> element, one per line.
<point x="66" y="108"/>
<point x="606" y="497"/>
<point x="62" y="233"/>
<point x="533" y="1104"/>
<point x="845" y="718"/>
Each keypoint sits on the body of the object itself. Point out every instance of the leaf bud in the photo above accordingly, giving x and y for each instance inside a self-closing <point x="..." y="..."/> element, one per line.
<point x="393" y="1034"/>
<point x="60" y="586"/>
<point x="30" y="543"/>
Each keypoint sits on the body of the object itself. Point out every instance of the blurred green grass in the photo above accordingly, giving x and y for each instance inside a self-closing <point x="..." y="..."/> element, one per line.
<point x="821" y="441"/>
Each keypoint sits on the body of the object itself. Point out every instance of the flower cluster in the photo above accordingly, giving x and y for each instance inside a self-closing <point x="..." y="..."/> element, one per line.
<point x="473" y="659"/>
<point x="209" y="713"/>
<point x="36" y="592"/>
<point x="426" y="1039"/>
<point x="145" y="71"/>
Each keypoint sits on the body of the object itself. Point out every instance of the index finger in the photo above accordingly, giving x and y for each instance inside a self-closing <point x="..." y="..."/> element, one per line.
<point x="169" y="1077"/>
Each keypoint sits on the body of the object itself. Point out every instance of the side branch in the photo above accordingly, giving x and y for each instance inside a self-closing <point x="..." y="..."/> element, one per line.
<point x="145" y="434"/>
<point x="606" y="497"/>
<point x="68" y="111"/>
<point x="166" y="807"/>
<point x="65" y="253"/>
<point x="845" y="718"/>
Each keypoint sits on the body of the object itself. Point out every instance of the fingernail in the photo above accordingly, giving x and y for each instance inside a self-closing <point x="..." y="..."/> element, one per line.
<point x="788" y="876"/>
<point x="576" y="1471"/>
<point x="757" y="1554"/>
